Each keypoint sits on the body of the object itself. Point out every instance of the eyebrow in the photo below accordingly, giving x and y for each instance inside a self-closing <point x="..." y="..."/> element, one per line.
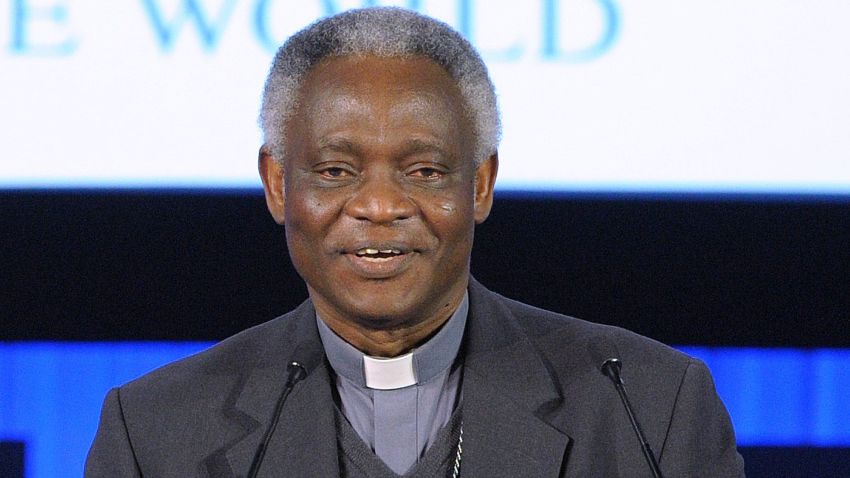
<point x="411" y="147"/>
<point x="339" y="145"/>
<point x="415" y="146"/>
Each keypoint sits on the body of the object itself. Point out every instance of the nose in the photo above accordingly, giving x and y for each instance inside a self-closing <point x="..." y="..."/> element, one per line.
<point x="381" y="200"/>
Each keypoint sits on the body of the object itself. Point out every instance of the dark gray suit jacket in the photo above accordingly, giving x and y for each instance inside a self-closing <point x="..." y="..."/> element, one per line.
<point x="535" y="404"/>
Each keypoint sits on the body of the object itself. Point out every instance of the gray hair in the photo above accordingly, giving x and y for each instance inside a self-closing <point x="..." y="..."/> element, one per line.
<point x="384" y="32"/>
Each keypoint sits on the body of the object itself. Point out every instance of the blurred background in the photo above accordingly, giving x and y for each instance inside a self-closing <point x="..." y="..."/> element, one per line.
<point x="680" y="169"/>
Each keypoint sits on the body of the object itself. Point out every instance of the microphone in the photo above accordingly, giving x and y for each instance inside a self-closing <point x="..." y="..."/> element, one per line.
<point x="611" y="369"/>
<point x="295" y="373"/>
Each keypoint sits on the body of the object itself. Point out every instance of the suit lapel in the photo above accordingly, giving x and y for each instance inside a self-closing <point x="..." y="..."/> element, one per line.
<point x="512" y="407"/>
<point x="508" y="398"/>
<point x="304" y="442"/>
<point x="310" y="446"/>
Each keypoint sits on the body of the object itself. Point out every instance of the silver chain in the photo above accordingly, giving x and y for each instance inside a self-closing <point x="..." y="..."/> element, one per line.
<point x="458" y="454"/>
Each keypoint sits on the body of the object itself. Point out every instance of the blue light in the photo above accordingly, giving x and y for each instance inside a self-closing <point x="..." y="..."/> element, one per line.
<point x="783" y="397"/>
<point x="51" y="394"/>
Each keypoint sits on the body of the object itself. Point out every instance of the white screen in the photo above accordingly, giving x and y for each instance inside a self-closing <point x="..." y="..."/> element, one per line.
<point x="596" y="95"/>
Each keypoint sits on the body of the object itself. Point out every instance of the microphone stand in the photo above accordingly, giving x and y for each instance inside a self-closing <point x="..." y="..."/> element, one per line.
<point x="611" y="369"/>
<point x="296" y="372"/>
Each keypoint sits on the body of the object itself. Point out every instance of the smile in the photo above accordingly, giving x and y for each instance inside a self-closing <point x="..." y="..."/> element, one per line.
<point x="379" y="262"/>
<point x="377" y="254"/>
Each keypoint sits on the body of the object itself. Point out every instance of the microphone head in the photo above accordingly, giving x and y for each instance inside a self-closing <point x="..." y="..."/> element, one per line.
<point x="602" y="355"/>
<point x="306" y="356"/>
<point x="296" y="370"/>
<point x="303" y="360"/>
<point x="611" y="368"/>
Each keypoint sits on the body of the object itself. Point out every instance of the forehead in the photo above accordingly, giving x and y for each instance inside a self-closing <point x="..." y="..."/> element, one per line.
<point x="370" y="91"/>
<point x="372" y="73"/>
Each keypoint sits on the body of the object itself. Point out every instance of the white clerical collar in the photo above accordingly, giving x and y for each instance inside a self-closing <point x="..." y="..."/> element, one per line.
<point x="389" y="373"/>
<point x="419" y="366"/>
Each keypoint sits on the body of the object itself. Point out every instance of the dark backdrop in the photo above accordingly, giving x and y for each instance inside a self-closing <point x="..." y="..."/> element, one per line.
<point x="190" y="265"/>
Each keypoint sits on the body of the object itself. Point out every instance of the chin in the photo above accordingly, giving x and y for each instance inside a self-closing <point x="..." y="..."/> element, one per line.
<point x="380" y="323"/>
<point x="384" y="315"/>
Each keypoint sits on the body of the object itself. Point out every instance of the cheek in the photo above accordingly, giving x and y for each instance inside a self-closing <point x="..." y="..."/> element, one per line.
<point x="448" y="207"/>
<point x="307" y="217"/>
<point x="450" y="217"/>
<point x="437" y="208"/>
<point x="456" y="201"/>
<point x="304" y="205"/>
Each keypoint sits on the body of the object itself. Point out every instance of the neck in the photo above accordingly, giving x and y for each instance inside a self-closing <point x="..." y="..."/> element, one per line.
<point x="390" y="342"/>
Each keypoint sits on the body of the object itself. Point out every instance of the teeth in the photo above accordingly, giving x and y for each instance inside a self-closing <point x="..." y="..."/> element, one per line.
<point x="368" y="251"/>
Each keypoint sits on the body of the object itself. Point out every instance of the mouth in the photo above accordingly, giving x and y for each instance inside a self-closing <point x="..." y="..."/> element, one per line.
<point x="375" y="254"/>
<point x="380" y="261"/>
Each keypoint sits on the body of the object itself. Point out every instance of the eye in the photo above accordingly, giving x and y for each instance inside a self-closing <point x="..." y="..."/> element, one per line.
<point x="334" y="172"/>
<point x="427" y="172"/>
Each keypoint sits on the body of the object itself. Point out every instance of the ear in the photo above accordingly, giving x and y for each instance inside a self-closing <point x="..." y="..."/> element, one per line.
<point x="485" y="179"/>
<point x="271" y="172"/>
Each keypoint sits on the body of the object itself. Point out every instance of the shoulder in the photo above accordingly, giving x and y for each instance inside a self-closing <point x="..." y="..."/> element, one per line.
<point x="557" y="334"/>
<point x="573" y="351"/>
<point x="673" y="394"/>
<point x="201" y="401"/>
<point x="204" y="375"/>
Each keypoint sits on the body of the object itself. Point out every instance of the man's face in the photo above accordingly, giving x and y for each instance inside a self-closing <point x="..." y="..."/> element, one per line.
<point x="380" y="192"/>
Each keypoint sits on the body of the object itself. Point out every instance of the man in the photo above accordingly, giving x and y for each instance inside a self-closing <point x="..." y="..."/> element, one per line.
<point x="381" y="130"/>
